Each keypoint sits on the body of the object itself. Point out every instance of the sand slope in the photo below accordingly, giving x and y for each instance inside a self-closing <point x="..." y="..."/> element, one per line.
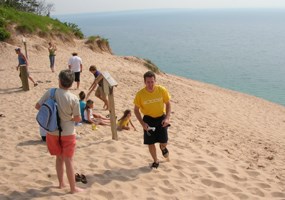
<point x="223" y="144"/>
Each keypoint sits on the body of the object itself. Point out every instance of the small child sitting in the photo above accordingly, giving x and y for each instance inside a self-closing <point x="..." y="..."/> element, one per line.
<point x="124" y="121"/>
<point x="82" y="104"/>
<point x="93" y="118"/>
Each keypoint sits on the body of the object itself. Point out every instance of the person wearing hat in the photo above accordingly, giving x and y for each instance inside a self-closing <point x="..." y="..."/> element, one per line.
<point x="75" y="65"/>
<point x="23" y="62"/>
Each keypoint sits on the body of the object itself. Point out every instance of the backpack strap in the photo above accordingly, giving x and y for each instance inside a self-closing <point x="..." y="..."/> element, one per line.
<point x="52" y="93"/>
<point x="52" y="96"/>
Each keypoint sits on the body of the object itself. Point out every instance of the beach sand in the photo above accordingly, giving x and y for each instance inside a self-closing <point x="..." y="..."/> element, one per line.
<point x="223" y="144"/>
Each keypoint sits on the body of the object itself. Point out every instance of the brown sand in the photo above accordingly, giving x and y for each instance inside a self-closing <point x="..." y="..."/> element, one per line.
<point x="223" y="144"/>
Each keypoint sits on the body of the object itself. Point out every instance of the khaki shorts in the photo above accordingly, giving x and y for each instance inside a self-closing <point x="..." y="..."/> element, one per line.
<point x="28" y="73"/>
<point x="100" y="93"/>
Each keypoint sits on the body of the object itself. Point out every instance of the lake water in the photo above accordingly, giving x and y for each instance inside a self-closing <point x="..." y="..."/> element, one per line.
<point x="238" y="49"/>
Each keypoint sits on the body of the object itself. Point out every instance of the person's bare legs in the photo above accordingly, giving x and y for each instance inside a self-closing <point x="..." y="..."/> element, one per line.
<point x="152" y="151"/>
<point x="106" y="105"/>
<point x="103" y="118"/>
<point x="78" y="83"/>
<point x="126" y="128"/>
<point x="35" y="84"/>
<point x="105" y="123"/>
<point x="162" y="148"/>
<point x="60" y="170"/>
<point x="70" y="175"/>
<point x="163" y="145"/>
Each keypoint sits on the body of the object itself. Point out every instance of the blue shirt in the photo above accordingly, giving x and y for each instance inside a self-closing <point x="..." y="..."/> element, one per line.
<point x="21" y="60"/>
<point x="82" y="108"/>
<point x="97" y="73"/>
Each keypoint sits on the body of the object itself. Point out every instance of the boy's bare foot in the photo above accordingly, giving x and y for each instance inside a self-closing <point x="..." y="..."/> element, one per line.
<point x="76" y="189"/>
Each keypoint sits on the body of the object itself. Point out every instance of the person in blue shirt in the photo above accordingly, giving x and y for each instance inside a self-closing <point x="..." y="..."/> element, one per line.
<point x="98" y="85"/>
<point x="82" y="104"/>
<point x="23" y="62"/>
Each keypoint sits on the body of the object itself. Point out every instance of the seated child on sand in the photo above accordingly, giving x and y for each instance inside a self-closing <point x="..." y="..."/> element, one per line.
<point x="124" y="121"/>
<point x="93" y="118"/>
<point x="82" y="104"/>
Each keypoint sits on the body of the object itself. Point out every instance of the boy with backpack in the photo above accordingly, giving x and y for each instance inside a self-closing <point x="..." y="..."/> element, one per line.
<point x="63" y="147"/>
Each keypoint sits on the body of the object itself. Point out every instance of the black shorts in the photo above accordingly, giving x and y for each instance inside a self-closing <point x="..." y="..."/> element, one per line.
<point x="77" y="76"/>
<point x="159" y="135"/>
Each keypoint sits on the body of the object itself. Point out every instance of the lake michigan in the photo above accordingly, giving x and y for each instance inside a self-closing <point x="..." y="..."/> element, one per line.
<point x="238" y="49"/>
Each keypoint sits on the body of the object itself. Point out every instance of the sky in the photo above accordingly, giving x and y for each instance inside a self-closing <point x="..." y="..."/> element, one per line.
<point x="91" y="6"/>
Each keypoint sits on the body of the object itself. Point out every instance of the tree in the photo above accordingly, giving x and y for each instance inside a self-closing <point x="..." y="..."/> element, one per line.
<point x="33" y="6"/>
<point x="44" y="9"/>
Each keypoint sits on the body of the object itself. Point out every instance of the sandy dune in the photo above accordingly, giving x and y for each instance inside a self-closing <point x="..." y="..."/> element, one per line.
<point x="223" y="144"/>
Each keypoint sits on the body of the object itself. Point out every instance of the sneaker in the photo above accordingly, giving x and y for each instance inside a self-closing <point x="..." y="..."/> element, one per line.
<point x="155" y="165"/>
<point x="165" y="152"/>
<point x="78" y="124"/>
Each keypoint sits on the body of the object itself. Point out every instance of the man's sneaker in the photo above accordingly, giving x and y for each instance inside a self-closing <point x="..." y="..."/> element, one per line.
<point x="155" y="165"/>
<point x="165" y="152"/>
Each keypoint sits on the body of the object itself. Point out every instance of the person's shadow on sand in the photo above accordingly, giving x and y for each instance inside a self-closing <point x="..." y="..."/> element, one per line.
<point x="31" y="142"/>
<point x="11" y="90"/>
<point x="32" y="193"/>
<point x="117" y="175"/>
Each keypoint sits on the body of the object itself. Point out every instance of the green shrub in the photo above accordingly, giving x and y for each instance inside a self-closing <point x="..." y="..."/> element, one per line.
<point x="75" y="29"/>
<point x="25" y="28"/>
<point x="4" y="34"/>
<point x="92" y="39"/>
<point x="151" y="66"/>
<point x="2" y="22"/>
<point x="26" y="22"/>
<point x="106" y="41"/>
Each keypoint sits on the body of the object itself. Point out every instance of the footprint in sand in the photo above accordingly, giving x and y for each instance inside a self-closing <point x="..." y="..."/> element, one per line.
<point x="263" y="185"/>
<point x="253" y="173"/>
<point x="256" y="191"/>
<point x="278" y="194"/>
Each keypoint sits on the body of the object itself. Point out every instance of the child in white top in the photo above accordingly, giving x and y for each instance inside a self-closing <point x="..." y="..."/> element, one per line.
<point x="93" y="118"/>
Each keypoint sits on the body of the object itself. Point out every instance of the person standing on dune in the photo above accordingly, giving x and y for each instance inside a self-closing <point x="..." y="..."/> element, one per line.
<point x="63" y="147"/>
<point x="23" y="62"/>
<point x="153" y="101"/>
<point x="75" y="65"/>
<point x="51" y="50"/>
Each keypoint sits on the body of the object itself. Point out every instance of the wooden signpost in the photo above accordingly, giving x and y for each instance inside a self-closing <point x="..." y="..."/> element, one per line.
<point x="108" y="86"/>
<point x="24" y="71"/>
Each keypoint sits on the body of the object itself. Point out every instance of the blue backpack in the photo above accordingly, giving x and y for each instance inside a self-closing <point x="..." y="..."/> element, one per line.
<point x="47" y="116"/>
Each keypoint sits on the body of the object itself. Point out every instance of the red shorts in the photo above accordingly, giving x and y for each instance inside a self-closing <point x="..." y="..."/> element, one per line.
<point x="66" y="148"/>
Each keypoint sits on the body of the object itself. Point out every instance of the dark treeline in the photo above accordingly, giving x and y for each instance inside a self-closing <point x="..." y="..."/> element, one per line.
<point x="39" y="7"/>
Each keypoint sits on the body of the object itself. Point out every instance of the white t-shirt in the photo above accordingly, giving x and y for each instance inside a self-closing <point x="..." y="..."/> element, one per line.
<point x="75" y="62"/>
<point x="90" y="114"/>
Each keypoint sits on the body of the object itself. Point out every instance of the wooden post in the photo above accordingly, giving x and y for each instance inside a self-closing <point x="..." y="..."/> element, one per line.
<point x="25" y="45"/>
<point x="108" y="86"/>
<point x="24" y="78"/>
<point x="23" y="70"/>
<point x="112" y="114"/>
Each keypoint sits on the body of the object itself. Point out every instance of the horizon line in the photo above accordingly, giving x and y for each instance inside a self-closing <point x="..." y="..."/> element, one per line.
<point x="164" y="9"/>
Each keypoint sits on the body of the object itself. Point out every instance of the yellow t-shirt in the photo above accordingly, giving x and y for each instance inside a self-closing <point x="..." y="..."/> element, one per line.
<point x="152" y="103"/>
<point x="123" y="122"/>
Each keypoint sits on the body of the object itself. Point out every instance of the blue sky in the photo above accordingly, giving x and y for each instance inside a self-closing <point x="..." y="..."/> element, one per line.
<point x="86" y="6"/>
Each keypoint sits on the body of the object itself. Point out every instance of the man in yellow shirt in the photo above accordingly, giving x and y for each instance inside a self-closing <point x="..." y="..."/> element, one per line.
<point x="153" y="101"/>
